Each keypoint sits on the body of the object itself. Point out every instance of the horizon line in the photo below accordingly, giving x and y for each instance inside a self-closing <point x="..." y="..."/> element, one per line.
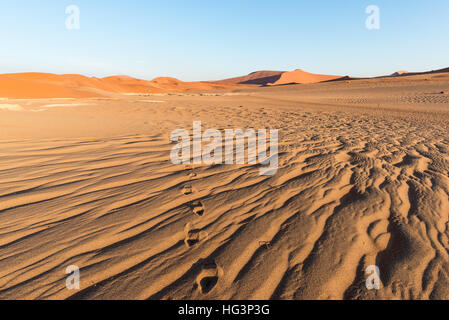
<point x="236" y="76"/>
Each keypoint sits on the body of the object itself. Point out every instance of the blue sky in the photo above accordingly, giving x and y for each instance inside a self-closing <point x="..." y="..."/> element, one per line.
<point x="215" y="39"/>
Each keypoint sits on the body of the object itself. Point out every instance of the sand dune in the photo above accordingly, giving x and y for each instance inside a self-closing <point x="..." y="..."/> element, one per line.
<point x="167" y="84"/>
<point x="406" y="73"/>
<point x="300" y="76"/>
<point x="258" y="77"/>
<point x="38" y="85"/>
<point x="44" y="85"/>
<point x="279" y="78"/>
<point x="362" y="180"/>
<point x="399" y="73"/>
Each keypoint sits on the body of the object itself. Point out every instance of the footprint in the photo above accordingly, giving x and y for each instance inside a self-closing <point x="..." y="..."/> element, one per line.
<point x="208" y="277"/>
<point x="197" y="208"/>
<point x="192" y="175"/>
<point x="187" y="190"/>
<point x="379" y="234"/>
<point x="266" y="244"/>
<point x="189" y="167"/>
<point x="193" y="236"/>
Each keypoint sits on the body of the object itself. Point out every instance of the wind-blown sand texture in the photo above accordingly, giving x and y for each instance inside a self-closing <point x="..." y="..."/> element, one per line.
<point x="363" y="180"/>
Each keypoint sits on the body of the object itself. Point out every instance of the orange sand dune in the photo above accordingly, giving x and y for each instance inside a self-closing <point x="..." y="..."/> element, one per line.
<point x="300" y="76"/>
<point x="258" y="77"/>
<point x="46" y="85"/>
<point x="167" y="84"/>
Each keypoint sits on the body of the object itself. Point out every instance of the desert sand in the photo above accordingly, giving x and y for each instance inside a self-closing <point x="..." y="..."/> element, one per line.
<point x="86" y="180"/>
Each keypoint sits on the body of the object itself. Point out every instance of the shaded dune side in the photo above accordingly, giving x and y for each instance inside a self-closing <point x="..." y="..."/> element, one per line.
<point x="403" y="73"/>
<point x="256" y="78"/>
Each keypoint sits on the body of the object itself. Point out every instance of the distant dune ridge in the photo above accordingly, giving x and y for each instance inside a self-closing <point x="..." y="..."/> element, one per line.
<point x="300" y="76"/>
<point x="399" y="73"/>
<point x="445" y="70"/>
<point x="46" y="85"/>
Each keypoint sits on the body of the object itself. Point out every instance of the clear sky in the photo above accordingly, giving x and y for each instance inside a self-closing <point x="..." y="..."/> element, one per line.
<point x="215" y="39"/>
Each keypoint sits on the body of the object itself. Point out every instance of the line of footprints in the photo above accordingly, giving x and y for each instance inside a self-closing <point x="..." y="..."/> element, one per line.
<point x="193" y="236"/>
<point x="210" y="272"/>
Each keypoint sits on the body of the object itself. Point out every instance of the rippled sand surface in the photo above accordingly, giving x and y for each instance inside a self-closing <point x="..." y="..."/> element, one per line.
<point x="362" y="180"/>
